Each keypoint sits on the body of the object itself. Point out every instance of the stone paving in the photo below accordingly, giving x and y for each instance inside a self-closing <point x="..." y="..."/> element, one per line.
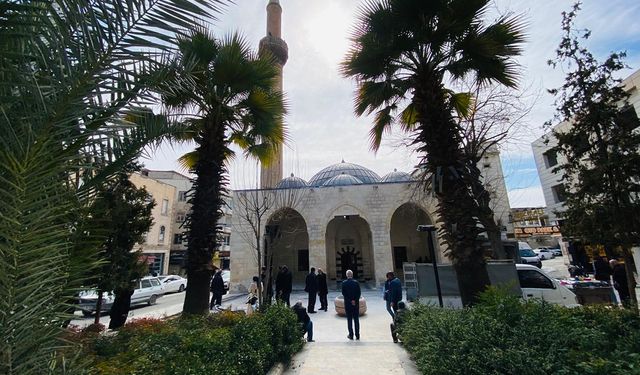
<point x="332" y="352"/>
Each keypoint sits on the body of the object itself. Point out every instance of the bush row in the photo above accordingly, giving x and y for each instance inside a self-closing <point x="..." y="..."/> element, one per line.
<point x="504" y="335"/>
<point x="225" y="343"/>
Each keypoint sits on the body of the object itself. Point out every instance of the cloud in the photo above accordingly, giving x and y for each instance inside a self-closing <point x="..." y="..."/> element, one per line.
<point x="526" y="197"/>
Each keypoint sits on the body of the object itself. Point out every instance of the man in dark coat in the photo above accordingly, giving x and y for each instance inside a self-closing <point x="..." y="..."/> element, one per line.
<point x="217" y="289"/>
<point x="304" y="319"/>
<point x="602" y="270"/>
<point x="392" y="293"/>
<point x="351" y="294"/>
<point x="286" y="284"/>
<point x="311" y="287"/>
<point x="322" y="289"/>
<point x="619" y="275"/>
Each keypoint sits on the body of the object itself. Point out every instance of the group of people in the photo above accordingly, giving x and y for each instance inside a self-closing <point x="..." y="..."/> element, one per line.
<point x="316" y="285"/>
<point x="613" y="270"/>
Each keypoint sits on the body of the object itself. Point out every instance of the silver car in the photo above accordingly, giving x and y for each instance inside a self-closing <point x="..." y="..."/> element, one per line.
<point x="147" y="290"/>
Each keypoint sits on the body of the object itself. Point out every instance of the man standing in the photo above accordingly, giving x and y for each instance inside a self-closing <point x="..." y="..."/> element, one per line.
<point x="287" y="281"/>
<point x="311" y="287"/>
<point x="351" y="294"/>
<point x="392" y="293"/>
<point x="304" y="319"/>
<point x="217" y="289"/>
<point x="322" y="289"/>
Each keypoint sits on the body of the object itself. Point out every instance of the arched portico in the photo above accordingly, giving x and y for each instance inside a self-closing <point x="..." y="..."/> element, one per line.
<point x="349" y="246"/>
<point x="287" y="243"/>
<point x="407" y="244"/>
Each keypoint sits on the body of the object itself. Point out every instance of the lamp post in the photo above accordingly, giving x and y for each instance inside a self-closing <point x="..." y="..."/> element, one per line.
<point x="430" y="229"/>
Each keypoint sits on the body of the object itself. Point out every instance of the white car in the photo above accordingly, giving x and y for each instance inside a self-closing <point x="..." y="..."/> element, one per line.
<point x="226" y="277"/>
<point x="173" y="283"/>
<point x="535" y="283"/>
<point x="147" y="290"/>
<point x="544" y="253"/>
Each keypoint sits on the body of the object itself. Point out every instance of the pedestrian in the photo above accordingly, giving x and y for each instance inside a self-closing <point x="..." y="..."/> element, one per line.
<point x="397" y="319"/>
<point x="619" y="275"/>
<point x="322" y="289"/>
<point x="304" y="319"/>
<point x="392" y="293"/>
<point x="311" y="287"/>
<point x="351" y="294"/>
<point x="602" y="271"/>
<point x="217" y="289"/>
<point x="287" y="284"/>
<point x="252" y="297"/>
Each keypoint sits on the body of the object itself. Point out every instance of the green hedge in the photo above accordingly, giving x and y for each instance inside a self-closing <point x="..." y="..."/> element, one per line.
<point x="225" y="343"/>
<point x="504" y="335"/>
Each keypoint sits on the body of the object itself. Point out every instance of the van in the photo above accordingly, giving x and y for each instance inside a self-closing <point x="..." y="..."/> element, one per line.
<point x="536" y="284"/>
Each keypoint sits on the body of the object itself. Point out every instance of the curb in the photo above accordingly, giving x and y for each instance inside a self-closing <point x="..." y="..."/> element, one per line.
<point x="277" y="369"/>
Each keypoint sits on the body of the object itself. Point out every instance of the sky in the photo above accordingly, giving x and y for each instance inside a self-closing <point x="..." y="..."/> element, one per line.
<point x="322" y="128"/>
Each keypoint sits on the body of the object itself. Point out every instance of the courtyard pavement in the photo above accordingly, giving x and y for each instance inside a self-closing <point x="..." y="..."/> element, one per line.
<point x="332" y="352"/>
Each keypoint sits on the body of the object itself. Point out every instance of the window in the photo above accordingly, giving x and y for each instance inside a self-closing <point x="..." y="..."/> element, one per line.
<point x="165" y="207"/>
<point x="177" y="238"/>
<point x="180" y="217"/>
<point x="182" y="196"/>
<point x="225" y="240"/>
<point x="303" y="260"/>
<point x="550" y="158"/>
<point x="534" y="279"/>
<point x="155" y="282"/>
<point x="161" y="234"/>
<point x="559" y="194"/>
<point x="145" y="283"/>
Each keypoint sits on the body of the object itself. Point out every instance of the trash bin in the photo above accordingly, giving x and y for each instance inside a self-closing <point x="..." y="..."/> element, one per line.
<point x="591" y="293"/>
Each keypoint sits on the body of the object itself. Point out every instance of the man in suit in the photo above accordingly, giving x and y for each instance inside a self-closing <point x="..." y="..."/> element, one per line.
<point x="283" y="284"/>
<point x="311" y="287"/>
<point x="323" y="290"/>
<point x="351" y="294"/>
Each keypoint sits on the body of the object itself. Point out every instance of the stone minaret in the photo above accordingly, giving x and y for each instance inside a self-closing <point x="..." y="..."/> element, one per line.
<point x="272" y="42"/>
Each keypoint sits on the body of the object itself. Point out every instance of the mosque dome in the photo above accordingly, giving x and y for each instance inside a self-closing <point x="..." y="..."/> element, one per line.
<point x="361" y="174"/>
<point x="342" y="180"/>
<point x="292" y="182"/>
<point x="396" y="176"/>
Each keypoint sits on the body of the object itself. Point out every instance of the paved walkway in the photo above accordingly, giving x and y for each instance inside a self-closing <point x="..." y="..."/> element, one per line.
<point x="333" y="353"/>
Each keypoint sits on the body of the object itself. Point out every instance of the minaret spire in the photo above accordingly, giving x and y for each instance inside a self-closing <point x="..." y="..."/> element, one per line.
<point x="272" y="42"/>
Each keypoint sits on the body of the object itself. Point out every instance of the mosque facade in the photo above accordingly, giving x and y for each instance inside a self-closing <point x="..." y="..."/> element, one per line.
<point x="344" y="217"/>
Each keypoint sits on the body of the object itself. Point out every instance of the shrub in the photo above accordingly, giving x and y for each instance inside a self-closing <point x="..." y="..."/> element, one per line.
<point x="504" y="335"/>
<point x="225" y="343"/>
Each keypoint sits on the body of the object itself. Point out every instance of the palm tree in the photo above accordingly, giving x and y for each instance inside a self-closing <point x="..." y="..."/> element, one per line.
<point x="403" y="54"/>
<point x="234" y="103"/>
<point x="73" y="74"/>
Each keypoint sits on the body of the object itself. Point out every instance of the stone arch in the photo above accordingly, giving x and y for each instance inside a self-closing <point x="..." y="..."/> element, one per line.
<point x="407" y="244"/>
<point x="349" y="245"/>
<point x="287" y="243"/>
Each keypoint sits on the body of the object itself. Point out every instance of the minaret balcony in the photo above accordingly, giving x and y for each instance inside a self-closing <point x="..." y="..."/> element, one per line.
<point x="277" y="47"/>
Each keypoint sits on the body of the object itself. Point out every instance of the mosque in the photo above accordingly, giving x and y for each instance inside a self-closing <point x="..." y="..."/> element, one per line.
<point x="344" y="217"/>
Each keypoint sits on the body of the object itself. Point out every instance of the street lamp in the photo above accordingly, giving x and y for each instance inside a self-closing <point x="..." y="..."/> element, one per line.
<point x="430" y="229"/>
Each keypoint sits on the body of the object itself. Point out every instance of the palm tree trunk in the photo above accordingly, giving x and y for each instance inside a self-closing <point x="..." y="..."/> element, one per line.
<point x="441" y="144"/>
<point x="206" y="204"/>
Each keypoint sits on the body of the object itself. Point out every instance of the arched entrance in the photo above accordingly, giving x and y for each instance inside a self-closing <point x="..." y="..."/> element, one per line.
<point x="407" y="244"/>
<point x="349" y="247"/>
<point x="287" y="243"/>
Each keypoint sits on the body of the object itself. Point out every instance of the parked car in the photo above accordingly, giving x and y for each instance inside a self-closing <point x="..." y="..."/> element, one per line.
<point x="527" y="256"/>
<point x="173" y="283"/>
<point x="226" y="277"/>
<point x="544" y="253"/>
<point x="535" y="283"/>
<point x="556" y="251"/>
<point x="147" y="290"/>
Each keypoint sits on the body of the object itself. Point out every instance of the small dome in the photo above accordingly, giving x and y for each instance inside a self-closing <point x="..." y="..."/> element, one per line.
<point x="342" y="180"/>
<point x="292" y="182"/>
<point x="397" y="176"/>
<point x="364" y="175"/>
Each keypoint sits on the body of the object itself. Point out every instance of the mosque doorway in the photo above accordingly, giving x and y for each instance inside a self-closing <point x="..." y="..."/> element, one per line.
<point x="349" y="247"/>
<point x="287" y="244"/>
<point x="407" y="244"/>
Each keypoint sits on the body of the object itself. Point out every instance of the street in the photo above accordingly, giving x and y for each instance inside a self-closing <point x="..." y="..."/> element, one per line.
<point x="167" y="305"/>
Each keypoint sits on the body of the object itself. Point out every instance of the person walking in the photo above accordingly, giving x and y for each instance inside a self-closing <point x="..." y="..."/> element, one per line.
<point x="351" y="294"/>
<point x="311" y="287"/>
<point x="304" y="319"/>
<point x="619" y="276"/>
<point x="287" y="285"/>
<point x="217" y="289"/>
<point x="252" y="297"/>
<point x="322" y="289"/>
<point x="392" y="293"/>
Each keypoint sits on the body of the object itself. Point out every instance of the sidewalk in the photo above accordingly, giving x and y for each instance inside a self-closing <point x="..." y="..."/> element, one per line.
<point x="332" y="352"/>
